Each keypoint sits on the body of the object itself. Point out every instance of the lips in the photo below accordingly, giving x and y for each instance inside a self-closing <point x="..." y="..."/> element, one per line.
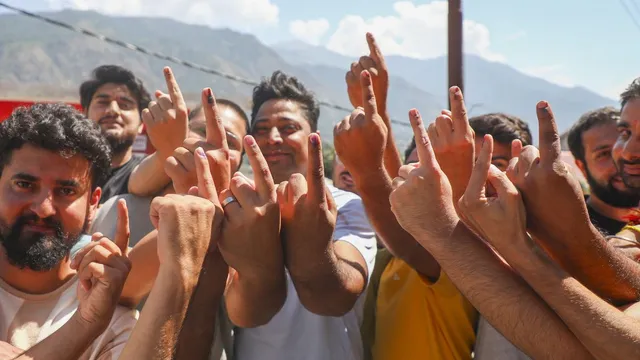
<point x="633" y="170"/>
<point x="39" y="229"/>
<point x="274" y="157"/>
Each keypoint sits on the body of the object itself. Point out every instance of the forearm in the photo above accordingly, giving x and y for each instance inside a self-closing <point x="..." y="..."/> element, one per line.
<point x="253" y="298"/>
<point x="149" y="177"/>
<point x="392" y="158"/>
<point x="196" y="335"/>
<point x="68" y="343"/>
<point x="156" y="333"/>
<point x="328" y="284"/>
<point x="374" y="191"/>
<point x="502" y="297"/>
<point x="586" y="255"/>
<point x="604" y="330"/>
<point x="144" y="269"/>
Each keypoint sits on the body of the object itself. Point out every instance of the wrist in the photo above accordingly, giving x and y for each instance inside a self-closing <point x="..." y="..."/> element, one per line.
<point x="371" y="178"/>
<point x="80" y="327"/>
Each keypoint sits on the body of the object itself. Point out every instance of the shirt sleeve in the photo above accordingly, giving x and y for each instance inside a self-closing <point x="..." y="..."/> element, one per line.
<point x="352" y="226"/>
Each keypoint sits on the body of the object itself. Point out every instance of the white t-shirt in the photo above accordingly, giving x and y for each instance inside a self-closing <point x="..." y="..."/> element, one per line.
<point x="294" y="332"/>
<point x="26" y="320"/>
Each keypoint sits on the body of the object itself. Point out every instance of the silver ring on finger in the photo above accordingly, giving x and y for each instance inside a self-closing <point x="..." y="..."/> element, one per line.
<point x="228" y="201"/>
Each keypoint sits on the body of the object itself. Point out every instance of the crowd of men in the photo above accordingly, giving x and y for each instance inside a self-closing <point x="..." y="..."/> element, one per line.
<point x="474" y="244"/>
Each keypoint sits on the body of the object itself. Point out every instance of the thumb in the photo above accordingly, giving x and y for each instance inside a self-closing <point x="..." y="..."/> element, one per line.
<point x="122" y="229"/>
<point x="500" y="182"/>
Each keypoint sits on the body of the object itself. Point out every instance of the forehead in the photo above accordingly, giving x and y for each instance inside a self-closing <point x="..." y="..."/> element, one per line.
<point x="600" y="135"/>
<point x="112" y="90"/>
<point x="281" y="109"/>
<point x="631" y="112"/>
<point x="48" y="166"/>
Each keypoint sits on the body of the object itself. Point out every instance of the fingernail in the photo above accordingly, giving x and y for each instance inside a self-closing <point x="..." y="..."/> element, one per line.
<point x="315" y="139"/>
<point x="200" y="152"/>
<point x="167" y="71"/>
<point x="210" y="98"/>
<point x="249" y="140"/>
<point x="415" y="113"/>
<point x="366" y="74"/>
<point x="543" y="105"/>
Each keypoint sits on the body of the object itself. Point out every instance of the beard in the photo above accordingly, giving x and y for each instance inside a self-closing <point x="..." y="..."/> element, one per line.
<point x="612" y="196"/>
<point x="120" y="144"/>
<point x="36" y="251"/>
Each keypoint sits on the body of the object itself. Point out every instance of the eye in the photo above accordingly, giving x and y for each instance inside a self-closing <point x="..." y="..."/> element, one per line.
<point x="624" y="133"/>
<point x="260" y="130"/>
<point x="603" y="155"/>
<point x="289" y="129"/>
<point x="125" y="106"/>
<point x="66" y="192"/>
<point x="24" y="185"/>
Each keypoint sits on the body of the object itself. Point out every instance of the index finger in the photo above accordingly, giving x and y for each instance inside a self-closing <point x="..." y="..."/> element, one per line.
<point x="174" y="90"/>
<point x="423" y="144"/>
<point x="263" y="179"/>
<point x="374" y="50"/>
<point x="315" y="172"/>
<point x="478" y="179"/>
<point x="122" y="229"/>
<point x="216" y="134"/>
<point x="206" y="185"/>
<point x="549" y="137"/>
<point x="368" y="96"/>
<point x="458" y="109"/>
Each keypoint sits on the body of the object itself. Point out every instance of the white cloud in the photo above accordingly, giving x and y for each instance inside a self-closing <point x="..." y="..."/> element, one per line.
<point x="418" y="31"/>
<point x="310" y="31"/>
<point x="237" y="14"/>
<point x="517" y="35"/>
<point x="552" y="73"/>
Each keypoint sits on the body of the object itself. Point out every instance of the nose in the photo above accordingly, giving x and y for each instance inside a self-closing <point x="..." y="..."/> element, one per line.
<point x="274" y="136"/>
<point x="43" y="205"/>
<point x="113" y="108"/>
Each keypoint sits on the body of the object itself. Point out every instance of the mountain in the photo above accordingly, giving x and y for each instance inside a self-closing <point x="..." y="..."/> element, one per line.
<point x="489" y="86"/>
<point x="42" y="61"/>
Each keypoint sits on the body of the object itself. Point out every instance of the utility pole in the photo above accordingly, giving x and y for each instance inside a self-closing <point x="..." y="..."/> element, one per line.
<point x="455" y="45"/>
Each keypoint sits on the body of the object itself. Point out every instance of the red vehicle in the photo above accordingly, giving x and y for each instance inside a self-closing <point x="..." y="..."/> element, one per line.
<point x="142" y="145"/>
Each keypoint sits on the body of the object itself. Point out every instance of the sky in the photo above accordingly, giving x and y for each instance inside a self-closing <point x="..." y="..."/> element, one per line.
<point x="590" y="43"/>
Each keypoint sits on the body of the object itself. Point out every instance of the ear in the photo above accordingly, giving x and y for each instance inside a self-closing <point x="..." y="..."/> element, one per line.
<point x="582" y="166"/>
<point x="94" y="202"/>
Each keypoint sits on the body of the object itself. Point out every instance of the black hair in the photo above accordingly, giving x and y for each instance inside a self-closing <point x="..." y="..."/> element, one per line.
<point x="59" y="128"/>
<point x="283" y="86"/>
<point x="502" y="127"/>
<point x="630" y="93"/>
<point x="114" y="74"/>
<point x="409" y="150"/>
<point x="587" y="121"/>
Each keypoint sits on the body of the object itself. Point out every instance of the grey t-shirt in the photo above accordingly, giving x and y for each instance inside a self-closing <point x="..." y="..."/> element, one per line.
<point x="491" y="345"/>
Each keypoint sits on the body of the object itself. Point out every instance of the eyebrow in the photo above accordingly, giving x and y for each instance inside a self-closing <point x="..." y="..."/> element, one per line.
<point x="31" y="178"/>
<point x="229" y="133"/>
<point x="622" y="124"/>
<point x="24" y="176"/>
<point x="500" y="158"/>
<point x="602" y="147"/>
<point x="68" y="183"/>
<point x="123" y="98"/>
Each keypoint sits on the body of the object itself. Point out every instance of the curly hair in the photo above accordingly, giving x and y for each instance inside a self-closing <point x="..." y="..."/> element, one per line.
<point x="114" y="74"/>
<point x="283" y="86"/>
<point x="59" y="128"/>
<point x="630" y="93"/>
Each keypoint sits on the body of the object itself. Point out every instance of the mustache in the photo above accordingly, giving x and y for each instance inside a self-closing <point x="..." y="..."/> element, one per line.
<point x="108" y="118"/>
<point x="627" y="162"/>
<point x="33" y="219"/>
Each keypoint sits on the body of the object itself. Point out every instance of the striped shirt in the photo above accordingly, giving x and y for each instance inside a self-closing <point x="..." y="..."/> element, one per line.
<point x="27" y="319"/>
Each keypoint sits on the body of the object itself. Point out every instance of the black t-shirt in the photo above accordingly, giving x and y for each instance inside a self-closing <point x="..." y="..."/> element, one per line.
<point x="118" y="181"/>
<point x="607" y="226"/>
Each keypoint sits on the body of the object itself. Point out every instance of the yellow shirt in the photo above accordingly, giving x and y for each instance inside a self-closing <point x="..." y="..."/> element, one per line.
<point x="419" y="320"/>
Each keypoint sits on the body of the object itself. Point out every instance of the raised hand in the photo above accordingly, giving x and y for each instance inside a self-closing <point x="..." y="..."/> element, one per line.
<point x="497" y="213"/>
<point x="307" y="208"/>
<point x="103" y="267"/>
<point x="251" y="233"/>
<point x="166" y="119"/>
<point x="360" y="139"/>
<point x="422" y="200"/>
<point x="374" y="63"/>
<point x="187" y="222"/>
<point x="453" y="143"/>
<point x="181" y="166"/>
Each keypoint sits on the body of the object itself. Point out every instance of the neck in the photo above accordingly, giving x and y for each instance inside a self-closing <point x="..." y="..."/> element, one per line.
<point x="607" y="210"/>
<point x="35" y="282"/>
<point x="121" y="158"/>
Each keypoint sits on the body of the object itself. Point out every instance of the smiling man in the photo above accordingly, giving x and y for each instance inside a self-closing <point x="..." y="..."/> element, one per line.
<point x="114" y="98"/>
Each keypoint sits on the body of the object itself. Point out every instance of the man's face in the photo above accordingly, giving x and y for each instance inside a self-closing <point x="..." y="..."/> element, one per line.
<point x="626" y="151"/>
<point x="281" y="130"/>
<point x="234" y="126"/>
<point x="115" y="109"/>
<point x="46" y="203"/>
<point x="600" y="170"/>
<point x="342" y="178"/>
<point x="501" y="153"/>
